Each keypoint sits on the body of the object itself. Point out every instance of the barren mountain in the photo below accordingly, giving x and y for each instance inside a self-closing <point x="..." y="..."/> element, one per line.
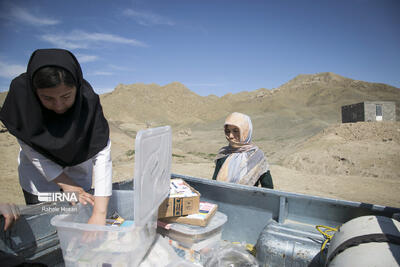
<point x="153" y="104"/>
<point x="312" y="99"/>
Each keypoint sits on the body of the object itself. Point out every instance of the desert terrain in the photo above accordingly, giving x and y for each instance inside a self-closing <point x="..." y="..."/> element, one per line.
<point x="297" y="125"/>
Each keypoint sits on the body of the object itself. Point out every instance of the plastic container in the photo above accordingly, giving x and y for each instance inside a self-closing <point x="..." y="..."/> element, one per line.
<point x="195" y="237"/>
<point x="161" y="254"/>
<point x="228" y="254"/>
<point x="95" y="245"/>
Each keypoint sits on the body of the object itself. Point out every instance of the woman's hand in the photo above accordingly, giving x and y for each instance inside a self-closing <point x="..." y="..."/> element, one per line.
<point x="11" y="214"/>
<point x="83" y="197"/>
<point x="98" y="217"/>
<point x="68" y="185"/>
<point x="99" y="210"/>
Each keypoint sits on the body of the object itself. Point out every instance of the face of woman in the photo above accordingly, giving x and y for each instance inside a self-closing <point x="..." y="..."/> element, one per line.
<point x="58" y="99"/>
<point x="232" y="133"/>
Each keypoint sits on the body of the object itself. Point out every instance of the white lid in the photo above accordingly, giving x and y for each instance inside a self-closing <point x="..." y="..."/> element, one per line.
<point x="216" y="222"/>
<point x="153" y="156"/>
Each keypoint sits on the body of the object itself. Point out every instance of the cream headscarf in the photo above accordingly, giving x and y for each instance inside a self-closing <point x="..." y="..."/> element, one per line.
<point x="245" y="162"/>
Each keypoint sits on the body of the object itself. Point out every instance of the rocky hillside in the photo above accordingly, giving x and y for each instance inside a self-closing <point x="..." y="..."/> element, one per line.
<point x="282" y="117"/>
<point x="368" y="149"/>
<point x="315" y="96"/>
<point x="153" y="104"/>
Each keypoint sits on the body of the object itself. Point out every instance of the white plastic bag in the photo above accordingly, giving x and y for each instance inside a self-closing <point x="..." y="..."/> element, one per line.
<point x="232" y="255"/>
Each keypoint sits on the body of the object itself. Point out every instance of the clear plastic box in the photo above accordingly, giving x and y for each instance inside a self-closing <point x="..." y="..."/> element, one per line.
<point x="95" y="245"/>
<point x="195" y="237"/>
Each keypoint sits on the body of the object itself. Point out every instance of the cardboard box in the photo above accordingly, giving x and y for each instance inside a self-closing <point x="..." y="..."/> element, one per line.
<point x="182" y="200"/>
<point x="206" y="211"/>
<point x="115" y="220"/>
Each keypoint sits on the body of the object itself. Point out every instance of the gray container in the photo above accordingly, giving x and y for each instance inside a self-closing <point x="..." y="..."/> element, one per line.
<point x="289" y="244"/>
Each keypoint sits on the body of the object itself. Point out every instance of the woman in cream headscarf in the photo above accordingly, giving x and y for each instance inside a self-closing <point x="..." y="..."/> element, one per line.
<point x="241" y="161"/>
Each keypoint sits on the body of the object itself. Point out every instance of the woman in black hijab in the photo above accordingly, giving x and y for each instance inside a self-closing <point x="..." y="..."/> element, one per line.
<point x="64" y="137"/>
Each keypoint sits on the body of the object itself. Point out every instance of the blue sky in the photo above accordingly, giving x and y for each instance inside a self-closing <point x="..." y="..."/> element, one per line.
<point x="211" y="46"/>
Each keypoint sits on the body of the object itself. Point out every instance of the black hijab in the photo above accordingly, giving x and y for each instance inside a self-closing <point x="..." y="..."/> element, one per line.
<point x="67" y="139"/>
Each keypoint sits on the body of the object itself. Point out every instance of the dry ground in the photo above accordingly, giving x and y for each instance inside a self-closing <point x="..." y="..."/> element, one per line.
<point x="336" y="163"/>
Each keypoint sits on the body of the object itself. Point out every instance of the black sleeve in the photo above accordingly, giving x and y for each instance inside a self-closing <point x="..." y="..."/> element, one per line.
<point x="266" y="180"/>
<point x="218" y="166"/>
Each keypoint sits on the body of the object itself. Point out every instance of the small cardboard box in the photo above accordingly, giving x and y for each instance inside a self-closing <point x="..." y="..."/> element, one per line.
<point x="206" y="211"/>
<point x="182" y="200"/>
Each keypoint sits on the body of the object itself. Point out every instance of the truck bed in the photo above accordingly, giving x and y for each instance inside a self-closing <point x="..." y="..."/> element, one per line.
<point x="280" y="224"/>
